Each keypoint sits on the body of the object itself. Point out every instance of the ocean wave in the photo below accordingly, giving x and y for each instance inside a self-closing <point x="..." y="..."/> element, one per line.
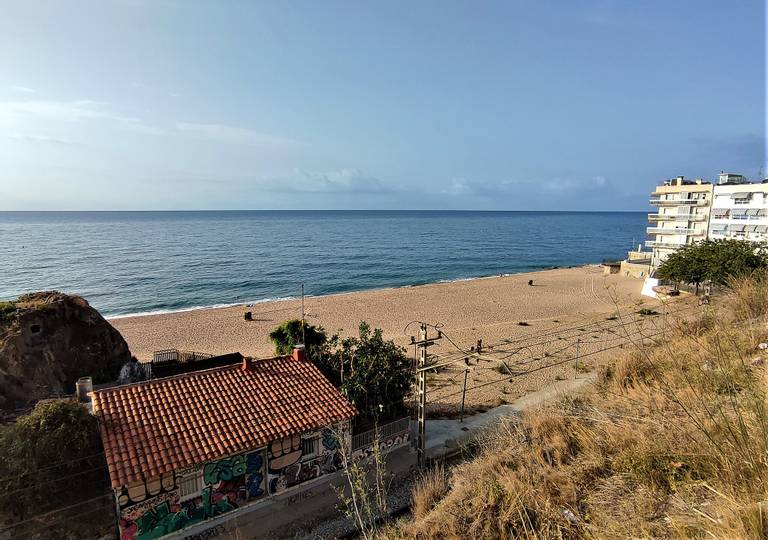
<point x="245" y="303"/>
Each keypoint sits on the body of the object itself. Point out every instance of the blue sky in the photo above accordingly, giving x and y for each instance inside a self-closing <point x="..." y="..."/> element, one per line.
<point x="519" y="105"/>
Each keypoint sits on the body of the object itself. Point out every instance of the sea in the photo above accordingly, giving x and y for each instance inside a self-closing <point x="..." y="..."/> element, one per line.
<point x="128" y="263"/>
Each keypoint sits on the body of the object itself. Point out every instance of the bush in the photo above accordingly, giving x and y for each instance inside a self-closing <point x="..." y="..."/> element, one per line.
<point x="52" y="458"/>
<point x="717" y="261"/>
<point x="286" y="336"/>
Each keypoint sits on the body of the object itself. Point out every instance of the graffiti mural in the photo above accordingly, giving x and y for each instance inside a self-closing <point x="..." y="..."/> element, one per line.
<point x="147" y="489"/>
<point x="254" y="475"/>
<point x="390" y="443"/>
<point x="227" y="484"/>
<point x="288" y="467"/>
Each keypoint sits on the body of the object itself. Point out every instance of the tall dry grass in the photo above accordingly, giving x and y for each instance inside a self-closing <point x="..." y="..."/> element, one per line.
<point x="672" y="443"/>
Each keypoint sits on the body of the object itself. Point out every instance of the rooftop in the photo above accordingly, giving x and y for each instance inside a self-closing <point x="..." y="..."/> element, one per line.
<point x="154" y="427"/>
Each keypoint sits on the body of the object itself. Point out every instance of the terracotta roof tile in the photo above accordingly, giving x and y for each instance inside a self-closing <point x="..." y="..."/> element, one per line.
<point x="154" y="427"/>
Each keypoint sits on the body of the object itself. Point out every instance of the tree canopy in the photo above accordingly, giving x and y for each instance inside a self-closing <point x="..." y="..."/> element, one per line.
<point x="713" y="260"/>
<point x="52" y="458"/>
<point x="286" y="336"/>
<point x="373" y="373"/>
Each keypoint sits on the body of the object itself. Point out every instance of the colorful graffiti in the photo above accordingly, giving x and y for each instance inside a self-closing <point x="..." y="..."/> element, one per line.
<point x="227" y="483"/>
<point x="147" y="489"/>
<point x="254" y="475"/>
<point x="224" y="470"/>
<point x="391" y="443"/>
<point x="288" y="469"/>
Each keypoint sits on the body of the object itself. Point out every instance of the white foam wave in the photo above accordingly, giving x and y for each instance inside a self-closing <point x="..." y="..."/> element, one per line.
<point x="244" y="303"/>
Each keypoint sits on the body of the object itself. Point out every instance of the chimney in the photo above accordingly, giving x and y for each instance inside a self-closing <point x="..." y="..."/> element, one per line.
<point x="679" y="180"/>
<point x="247" y="363"/>
<point x="83" y="387"/>
<point x="299" y="352"/>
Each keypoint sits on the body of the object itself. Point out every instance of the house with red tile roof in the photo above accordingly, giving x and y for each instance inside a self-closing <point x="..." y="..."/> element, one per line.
<point x="188" y="448"/>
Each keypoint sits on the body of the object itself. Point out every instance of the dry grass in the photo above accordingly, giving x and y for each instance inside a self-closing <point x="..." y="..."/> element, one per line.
<point x="672" y="443"/>
<point x="430" y="488"/>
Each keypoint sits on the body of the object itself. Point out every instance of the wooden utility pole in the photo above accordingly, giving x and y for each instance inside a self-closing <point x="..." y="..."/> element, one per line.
<point x="576" y="365"/>
<point x="422" y="344"/>
<point x="303" y="323"/>
<point x="464" y="393"/>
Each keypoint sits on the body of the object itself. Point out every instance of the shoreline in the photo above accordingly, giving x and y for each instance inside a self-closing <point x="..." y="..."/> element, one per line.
<point x="489" y="307"/>
<point x="278" y="299"/>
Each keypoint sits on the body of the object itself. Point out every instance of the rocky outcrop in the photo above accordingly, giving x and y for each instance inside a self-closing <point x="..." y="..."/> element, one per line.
<point x="47" y="341"/>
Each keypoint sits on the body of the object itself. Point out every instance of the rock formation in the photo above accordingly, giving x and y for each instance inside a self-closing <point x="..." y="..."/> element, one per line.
<point x="47" y="341"/>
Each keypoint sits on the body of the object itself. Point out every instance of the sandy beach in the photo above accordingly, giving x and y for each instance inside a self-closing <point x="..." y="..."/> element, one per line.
<point x="487" y="308"/>
<point x="567" y="312"/>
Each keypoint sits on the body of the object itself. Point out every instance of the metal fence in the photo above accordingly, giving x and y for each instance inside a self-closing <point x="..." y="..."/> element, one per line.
<point x="365" y="439"/>
<point x="175" y="355"/>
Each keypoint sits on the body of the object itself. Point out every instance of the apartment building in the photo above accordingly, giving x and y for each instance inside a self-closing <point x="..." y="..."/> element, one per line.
<point x="691" y="211"/>
<point x="682" y="216"/>
<point x="739" y="209"/>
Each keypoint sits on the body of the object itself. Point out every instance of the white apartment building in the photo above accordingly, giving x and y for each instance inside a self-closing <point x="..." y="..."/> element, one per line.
<point x="682" y="217"/>
<point x="739" y="210"/>
<point x="689" y="212"/>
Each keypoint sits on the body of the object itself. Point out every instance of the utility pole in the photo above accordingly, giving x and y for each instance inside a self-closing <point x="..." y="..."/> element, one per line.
<point x="464" y="393"/>
<point x="303" y="323"/>
<point x="423" y="344"/>
<point x="576" y="365"/>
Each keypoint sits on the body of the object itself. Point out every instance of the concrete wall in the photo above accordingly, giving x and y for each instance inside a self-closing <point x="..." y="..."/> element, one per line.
<point x="165" y="505"/>
<point x="635" y="270"/>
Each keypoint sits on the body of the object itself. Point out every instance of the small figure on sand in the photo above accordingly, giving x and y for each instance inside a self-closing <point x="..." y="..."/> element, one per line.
<point x="530" y="283"/>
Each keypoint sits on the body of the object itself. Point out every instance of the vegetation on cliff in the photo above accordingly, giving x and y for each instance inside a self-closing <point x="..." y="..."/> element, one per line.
<point x="45" y="455"/>
<point x="672" y="442"/>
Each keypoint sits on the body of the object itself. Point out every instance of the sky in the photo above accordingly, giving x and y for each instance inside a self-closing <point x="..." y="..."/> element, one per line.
<point x="511" y="105"/>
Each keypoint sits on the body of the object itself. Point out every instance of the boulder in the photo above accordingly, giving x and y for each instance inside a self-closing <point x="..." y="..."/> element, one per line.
<point x="48" y="340"/>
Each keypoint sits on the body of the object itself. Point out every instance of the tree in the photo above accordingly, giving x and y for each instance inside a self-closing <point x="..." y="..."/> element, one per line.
<point x="289" y="334"/>
<point x="713" y="260"/>
<point x="373" y="373"/>
<point x="378" y="374"/>
<point x="52" y="458"/>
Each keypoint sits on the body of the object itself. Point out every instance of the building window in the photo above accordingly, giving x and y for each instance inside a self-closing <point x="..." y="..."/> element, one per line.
<point x="309" y="446"/>
<point x="190" y="485"/>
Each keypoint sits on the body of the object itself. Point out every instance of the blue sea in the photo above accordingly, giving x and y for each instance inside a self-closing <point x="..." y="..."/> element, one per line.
<point x="146" y="262"/>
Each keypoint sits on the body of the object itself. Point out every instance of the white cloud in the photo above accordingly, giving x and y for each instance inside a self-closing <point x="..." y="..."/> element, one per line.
<point x="23" y="89"/>
<point x="37" y="138"/>
<point x="233" y="135"/>
<point x="341" y="181"/>
<point x="462" y="187"/>
<point x="72" y="111"/>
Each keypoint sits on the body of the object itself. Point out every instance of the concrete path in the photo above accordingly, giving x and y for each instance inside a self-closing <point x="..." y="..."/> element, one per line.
<point x="445" y="436"/>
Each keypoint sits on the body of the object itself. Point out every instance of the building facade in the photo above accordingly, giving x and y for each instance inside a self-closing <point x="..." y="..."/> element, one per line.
<point x="739" y="211"/>
<point x="689" y="212"/>
<point x="188" y="448"/>
<point x="682" y="216"/>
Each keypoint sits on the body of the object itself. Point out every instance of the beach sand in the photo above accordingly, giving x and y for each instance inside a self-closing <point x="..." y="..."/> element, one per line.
<point x="487" y="308"/>
<point x="490" y="309"/>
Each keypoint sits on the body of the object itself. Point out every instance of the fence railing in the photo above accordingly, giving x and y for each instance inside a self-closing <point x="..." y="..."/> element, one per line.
<point x="175" y="355"/>
<point x="366" y="438"/>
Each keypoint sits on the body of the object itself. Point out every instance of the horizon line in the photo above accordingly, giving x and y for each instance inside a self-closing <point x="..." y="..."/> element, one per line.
<point x="314" y="210"/>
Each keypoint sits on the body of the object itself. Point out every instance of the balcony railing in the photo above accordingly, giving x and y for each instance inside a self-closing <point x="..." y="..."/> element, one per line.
<point x="667" y="245"/>
<point x="677" y="217"/>
<point x="675" y="230"/>
<point x="677" y="202"/>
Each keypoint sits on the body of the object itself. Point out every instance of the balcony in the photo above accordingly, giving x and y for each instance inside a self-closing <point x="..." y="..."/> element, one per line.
<point x="656" y="201"/>
<point x="677" y="217"/>
<point x="675" y="230"/>
<point x="663" y="245"/>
